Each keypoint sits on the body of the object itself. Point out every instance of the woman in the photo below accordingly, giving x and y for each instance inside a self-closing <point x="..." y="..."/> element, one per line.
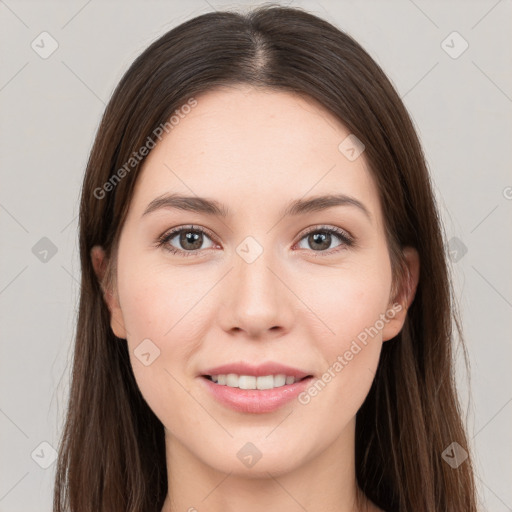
<point x="265" y="314"/>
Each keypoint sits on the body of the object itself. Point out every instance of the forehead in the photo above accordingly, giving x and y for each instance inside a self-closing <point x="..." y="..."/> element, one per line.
<point x="254" y="148"/>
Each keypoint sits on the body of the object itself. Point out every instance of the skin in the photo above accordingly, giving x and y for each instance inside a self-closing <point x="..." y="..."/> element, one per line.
<point x="254" y="151"/>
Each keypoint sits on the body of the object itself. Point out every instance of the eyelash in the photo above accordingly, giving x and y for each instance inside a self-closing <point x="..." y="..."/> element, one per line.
<point x="345" y="238"/>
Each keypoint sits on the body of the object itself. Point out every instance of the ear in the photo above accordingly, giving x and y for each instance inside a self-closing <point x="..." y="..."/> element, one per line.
<point x="405" y="295"/>
<point x="100" y="262"/>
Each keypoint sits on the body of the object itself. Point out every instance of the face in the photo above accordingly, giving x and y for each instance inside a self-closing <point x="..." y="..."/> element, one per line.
<point x="256" y="285"/>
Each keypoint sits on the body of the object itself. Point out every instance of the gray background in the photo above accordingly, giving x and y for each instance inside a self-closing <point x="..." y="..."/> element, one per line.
<point x="51" y="109"/>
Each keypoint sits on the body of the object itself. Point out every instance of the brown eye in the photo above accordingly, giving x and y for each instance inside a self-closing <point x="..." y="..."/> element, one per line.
<point x="322" y="239"/>
<point x="185" y="241"/>
<point x="319" y="241"/>
<point x="192" y="240"/>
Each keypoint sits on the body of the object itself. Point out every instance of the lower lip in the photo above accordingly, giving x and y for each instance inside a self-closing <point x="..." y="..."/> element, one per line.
<point x="256" y="400"/>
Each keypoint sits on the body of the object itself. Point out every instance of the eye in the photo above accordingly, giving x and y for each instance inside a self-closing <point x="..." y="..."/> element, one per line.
<point x="321" y="238"/>
<point x="189" y="239"/>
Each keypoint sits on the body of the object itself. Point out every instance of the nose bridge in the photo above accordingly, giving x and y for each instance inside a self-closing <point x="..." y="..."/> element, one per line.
<point x="256" y="297"/>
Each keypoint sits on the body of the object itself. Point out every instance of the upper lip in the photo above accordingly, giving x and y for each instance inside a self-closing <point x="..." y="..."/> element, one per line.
<point x="268" y="368"/>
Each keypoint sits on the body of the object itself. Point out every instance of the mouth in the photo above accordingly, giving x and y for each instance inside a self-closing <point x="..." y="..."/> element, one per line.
<point x="254" y="395"/>
<point x="248" y="388"/>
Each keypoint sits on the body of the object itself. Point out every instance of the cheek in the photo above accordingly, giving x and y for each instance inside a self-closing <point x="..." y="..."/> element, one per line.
<point x="347" y="302"/>
<point x="349" y="338"/>
<point x="162" y="311"/>
<point x="158" y="303"/>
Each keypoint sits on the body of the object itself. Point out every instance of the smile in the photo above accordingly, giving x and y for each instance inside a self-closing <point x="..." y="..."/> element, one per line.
<point x="253" y="400"/>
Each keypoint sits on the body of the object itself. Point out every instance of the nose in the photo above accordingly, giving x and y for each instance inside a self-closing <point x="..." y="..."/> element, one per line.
<point x="256" y="300"/>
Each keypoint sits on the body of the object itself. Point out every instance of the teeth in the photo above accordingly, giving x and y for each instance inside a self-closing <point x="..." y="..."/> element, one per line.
<point x="232" y="380"/>
<point x="251" y="382"/>
<point x="244" y="382"/>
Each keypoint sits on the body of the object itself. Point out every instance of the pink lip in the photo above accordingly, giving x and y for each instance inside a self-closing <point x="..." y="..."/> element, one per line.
<point x="255" y="400"/>
<point x="270" y="368"/>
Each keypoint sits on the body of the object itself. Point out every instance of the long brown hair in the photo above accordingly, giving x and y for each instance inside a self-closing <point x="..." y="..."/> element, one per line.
<point x="112" y="452"/>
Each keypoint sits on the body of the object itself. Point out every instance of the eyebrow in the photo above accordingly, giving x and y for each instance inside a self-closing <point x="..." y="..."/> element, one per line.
<point x="214" y="208"/>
